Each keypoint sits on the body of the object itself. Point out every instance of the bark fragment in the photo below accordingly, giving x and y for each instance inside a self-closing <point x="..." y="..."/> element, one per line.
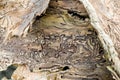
<point x="18" y="16"/>
<point x="105" y="18"/>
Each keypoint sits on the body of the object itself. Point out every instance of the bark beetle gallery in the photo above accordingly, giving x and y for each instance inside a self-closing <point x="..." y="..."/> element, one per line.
<point x="59" y="40"/>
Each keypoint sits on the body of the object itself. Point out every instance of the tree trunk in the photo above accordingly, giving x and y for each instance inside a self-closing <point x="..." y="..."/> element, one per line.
<point x="105" y="19"/>
<point x="17" y="17"/>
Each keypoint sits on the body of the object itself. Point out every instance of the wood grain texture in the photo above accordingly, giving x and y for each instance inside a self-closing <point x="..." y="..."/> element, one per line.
<point x="105" y="18"/>
<point x="18" y="16"/>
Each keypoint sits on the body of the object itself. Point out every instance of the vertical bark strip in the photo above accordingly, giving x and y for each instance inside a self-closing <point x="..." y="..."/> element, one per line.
<point x="102" y="21"/>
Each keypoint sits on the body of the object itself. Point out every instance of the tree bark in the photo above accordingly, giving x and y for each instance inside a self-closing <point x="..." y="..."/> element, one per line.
<point x="105" y="18"/>
<point x="18" y="16"/>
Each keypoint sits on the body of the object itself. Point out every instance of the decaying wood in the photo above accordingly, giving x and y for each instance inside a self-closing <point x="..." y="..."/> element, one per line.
<point x="105" y="18"/>
<point x="18" y="15"/>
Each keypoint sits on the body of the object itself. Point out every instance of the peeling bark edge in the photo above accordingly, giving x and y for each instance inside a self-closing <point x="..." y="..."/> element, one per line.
<point x="28" y="19"/>
<point x="104" y="38"/>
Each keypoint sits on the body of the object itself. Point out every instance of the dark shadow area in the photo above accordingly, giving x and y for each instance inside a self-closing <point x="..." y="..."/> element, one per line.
<point x="7" y="73"/>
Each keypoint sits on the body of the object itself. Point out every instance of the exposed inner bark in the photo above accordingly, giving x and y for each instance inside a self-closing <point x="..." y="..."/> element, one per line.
<point x="61" y="41"/>
<point x="105" y="17"/>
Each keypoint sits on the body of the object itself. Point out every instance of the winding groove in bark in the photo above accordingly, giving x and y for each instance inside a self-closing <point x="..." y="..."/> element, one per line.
<point x="18" y="18"/>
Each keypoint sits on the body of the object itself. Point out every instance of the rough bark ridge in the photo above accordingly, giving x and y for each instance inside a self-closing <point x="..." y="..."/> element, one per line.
<point x="105" y="18"/>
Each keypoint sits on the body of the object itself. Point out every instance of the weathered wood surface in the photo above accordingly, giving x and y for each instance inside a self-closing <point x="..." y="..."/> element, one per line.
<point x="105" y="18"/>
<point x="18" y="15"/>
<point x="63" y="36"/>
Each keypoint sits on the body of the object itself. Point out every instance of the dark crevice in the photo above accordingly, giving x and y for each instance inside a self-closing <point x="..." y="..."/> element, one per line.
<point x="75" y="13"/>
<point x="65" y="68"/>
